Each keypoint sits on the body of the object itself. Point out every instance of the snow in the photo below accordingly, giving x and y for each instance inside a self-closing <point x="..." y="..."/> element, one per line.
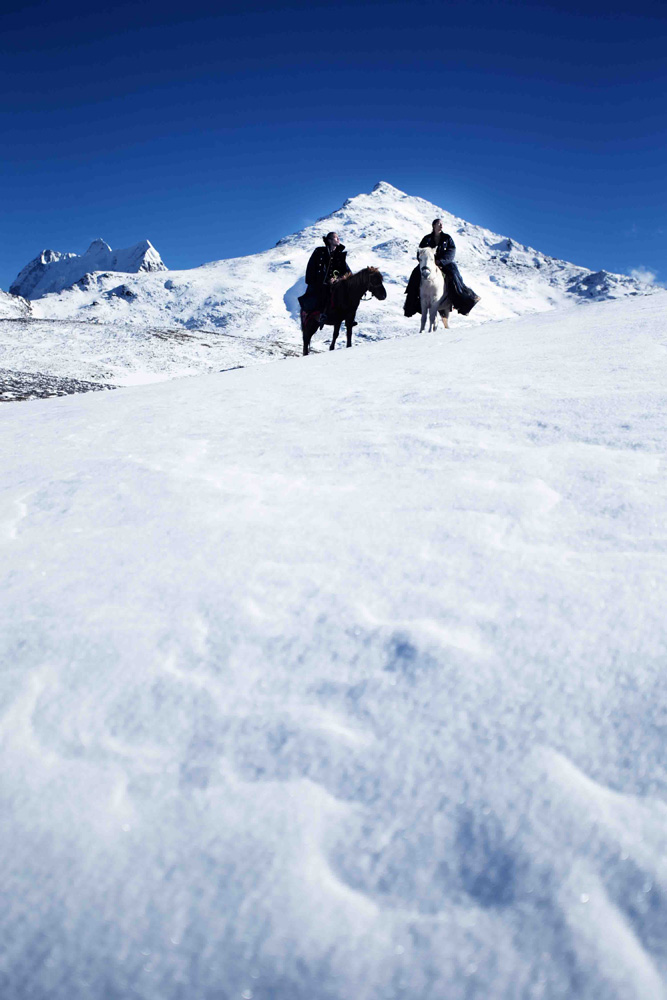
<point x="121" y="354"/>
<point x="231" y="313"/>
<point x="343" y="677"/>
<point x="13" y="306"/>
<point x="255" y="296"/>
<point x="53" y="272"/>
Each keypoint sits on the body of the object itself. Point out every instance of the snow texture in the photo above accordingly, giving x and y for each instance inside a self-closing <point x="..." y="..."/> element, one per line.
<point x="120" y="354"/>
<point x="13" y="306"/>
<point x="343" y="677"/>
<point x="254" y="298"/>
<point x="53" y="272"/>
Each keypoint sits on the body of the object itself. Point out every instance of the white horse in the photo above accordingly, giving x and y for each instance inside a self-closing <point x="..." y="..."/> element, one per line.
<point x="432" y="290"/>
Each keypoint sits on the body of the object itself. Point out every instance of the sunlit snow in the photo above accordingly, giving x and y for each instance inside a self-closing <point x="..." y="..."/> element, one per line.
<point x="343" y="677"/>
<point x="121" y="329"/>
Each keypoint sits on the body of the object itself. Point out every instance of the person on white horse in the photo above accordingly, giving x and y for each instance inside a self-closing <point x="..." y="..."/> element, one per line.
<point x="433" y="296"/>
<point x="460" y="296"/>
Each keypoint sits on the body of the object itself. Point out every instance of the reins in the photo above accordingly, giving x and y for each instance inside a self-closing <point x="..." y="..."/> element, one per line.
<point x="368" y="291"/>
<point x="354" y="280"/>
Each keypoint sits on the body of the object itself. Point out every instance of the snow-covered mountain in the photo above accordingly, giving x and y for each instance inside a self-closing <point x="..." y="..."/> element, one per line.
<point x="13" y="306"/>
<point x="53" y="272"/>
<point x="122" y="329"/>
<point x="343" y="677"/>
<point x="256" y="296"/>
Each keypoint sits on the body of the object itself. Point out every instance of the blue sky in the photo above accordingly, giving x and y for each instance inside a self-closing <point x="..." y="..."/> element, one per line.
<point x="213" y="130"/>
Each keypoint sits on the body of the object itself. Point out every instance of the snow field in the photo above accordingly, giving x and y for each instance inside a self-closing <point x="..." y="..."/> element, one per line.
<point x="124" y="355"/>
<point x="344" y="676"/>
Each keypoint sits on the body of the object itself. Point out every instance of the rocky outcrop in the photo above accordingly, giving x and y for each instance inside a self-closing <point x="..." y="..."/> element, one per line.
<point x="599" y="285"/>
<point x="53" y="271"/>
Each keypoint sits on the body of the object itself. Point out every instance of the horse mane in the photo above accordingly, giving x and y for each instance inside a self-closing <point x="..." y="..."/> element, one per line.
<point x="348" y="286"/>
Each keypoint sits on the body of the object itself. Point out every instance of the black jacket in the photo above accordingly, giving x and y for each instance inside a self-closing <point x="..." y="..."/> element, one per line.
<point x="445" y="248"/>
<point x="322" y="265"/>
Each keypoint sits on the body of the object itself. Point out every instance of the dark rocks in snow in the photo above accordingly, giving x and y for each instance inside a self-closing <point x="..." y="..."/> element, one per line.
<point x="122" y="292"/>
<point x="504" y="245"/>
<point x="601" y="285"/>
<point x="17" y="386"/>
<point x="86" y="282"/>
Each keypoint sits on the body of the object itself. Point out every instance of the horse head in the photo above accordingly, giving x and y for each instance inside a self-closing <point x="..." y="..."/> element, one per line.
<point x="426" y="258"/>
<point x="375" y="286"/>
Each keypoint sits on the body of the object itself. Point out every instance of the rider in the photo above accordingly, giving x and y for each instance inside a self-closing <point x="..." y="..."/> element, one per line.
<point x="463" y="298"/>
<point x="325" y="265"/>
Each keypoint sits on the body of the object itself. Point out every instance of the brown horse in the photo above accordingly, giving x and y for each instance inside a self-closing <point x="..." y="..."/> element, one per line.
<point x="345" y="295"/>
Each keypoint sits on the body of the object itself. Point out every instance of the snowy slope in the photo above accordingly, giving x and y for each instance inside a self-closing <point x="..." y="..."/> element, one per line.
<point x="255" y="296"/>
<point x="132" y="328"/>
<point x="343" y="677"/>
<point x="13" y="307"/>
<point x="121" y="354"/>
<point x="52" y="271"/>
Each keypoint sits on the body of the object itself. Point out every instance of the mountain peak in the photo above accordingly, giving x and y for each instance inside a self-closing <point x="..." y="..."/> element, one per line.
<point x="53" y="271"/>
<point x="384" y="187"/>
<point x="97" y="245"/>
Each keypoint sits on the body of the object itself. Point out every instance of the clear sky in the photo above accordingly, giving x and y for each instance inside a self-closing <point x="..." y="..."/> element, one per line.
<point x="215" y="129"/>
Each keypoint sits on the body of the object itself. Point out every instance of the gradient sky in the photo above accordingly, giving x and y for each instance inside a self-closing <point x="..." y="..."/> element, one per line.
<point x="215" y="129"/>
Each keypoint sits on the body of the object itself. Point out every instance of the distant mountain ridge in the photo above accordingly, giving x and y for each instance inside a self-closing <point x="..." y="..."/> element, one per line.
<point x="256" y="296"/>
<point x="52" y="271"/>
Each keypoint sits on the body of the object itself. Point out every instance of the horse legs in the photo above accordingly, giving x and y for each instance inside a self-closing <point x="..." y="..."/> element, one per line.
<point x="335" y="334"/>
<point x="307" y="335"/>
<point x="308" y="330"/>
<point x="349" y="323"/>
<point x="433" y="316"/>
<point x="424" y="315"/>
<point x="445" y="310"/>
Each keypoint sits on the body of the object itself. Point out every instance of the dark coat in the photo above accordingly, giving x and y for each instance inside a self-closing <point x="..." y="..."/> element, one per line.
<point x="444" y="246"/>
<point x="322" y="264"/>
<point x="321" y="267"/>
<point x="462" y="298"/>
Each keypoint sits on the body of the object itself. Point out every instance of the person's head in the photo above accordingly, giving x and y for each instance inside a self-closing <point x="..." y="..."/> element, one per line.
<point x="437" y="226"/>
<point x="331" y="240"/>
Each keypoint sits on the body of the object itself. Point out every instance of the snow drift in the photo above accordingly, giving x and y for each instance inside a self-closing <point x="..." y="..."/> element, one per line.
<point x="343" y="677"/>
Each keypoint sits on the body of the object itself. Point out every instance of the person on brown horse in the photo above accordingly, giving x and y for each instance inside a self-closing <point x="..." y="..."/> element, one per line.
<point x="326" y="264"/>
<point x="462" y="297"/>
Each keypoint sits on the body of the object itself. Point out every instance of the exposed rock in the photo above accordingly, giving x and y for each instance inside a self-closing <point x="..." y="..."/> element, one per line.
<point x="603" y="285"/>
<point x="15" y="386"/>
<point x="122" y="292"/>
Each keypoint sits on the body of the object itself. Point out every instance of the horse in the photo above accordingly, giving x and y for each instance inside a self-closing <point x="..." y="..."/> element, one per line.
<point x="345" y="295"/>
<point x="432" y="290"/>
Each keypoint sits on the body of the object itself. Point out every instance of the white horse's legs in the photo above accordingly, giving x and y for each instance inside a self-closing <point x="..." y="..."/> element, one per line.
<point x="424" y="315"/>
<point x="446" y="308"/>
